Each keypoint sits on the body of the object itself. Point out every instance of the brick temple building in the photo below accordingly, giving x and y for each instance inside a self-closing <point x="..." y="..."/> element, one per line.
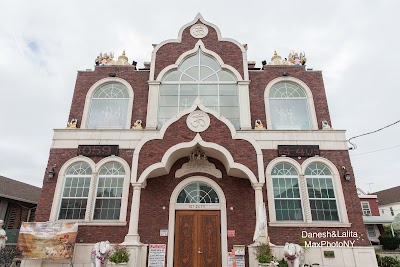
<point x="202" y="151"/>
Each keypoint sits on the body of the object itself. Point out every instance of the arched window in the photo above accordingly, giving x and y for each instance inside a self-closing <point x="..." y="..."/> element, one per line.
<point x="198" y="193"/>
<point x="76" y="190"/>
<point x="289" y="107"/>
<point x="109" y="107"/>
<point x="109" y="192"/>
<point x="287" y="198"/>
<point x="321" y="192"/>
<point x="199" y="75"/>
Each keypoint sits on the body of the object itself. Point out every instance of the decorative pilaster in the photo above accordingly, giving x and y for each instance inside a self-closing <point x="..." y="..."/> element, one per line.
<point x="133" y="238"/>
<point x="152" y="107"/>
<point x="306" y="201"/>
<point x="91" y="197"/>
<point x="244" y="104"/>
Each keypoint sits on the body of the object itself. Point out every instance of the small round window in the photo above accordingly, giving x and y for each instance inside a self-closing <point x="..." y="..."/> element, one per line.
<point x="198" y="193"/>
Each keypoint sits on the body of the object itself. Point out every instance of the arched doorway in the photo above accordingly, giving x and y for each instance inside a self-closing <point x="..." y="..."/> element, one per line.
<point x="197" y="224"/>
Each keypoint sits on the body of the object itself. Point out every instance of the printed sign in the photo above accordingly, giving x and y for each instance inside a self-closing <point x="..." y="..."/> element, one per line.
<point x="231" y="233"/>
<point x="46" y="240"/>
<point x="163" y="232"/>
<point x="157" y="255"/>
<point x="240" y="262"/>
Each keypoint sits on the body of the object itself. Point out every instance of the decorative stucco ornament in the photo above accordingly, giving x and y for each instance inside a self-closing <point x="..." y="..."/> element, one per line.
<point x="258" y="125"/>
<point x="122" y="60"/>
<point x="277" y="60"/>
<point x="198" y="121"/>
<point x="325" y="125"/>
<point x="72" y="124"/>
<point x="198" y="162"/>
<point x="292" y="253"/>
<point x="296" y="59"/>
<point x="105" y="59"/>
<point x="137" y="125"/>
<point x="199" y="31"/>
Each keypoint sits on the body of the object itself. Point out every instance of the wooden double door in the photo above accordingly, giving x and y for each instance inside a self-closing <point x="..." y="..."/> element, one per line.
<point x="197" y="238"/>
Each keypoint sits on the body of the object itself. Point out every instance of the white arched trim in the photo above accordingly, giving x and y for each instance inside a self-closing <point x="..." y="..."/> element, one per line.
<point x="179" y="40"/>
<point x="307" y="90"/>
<point x="199" y="45"/>
<point x="91" y="91"/>
<point x="184" y="149"/>
<point x="160" y="135"/>
<point x="58" y="192"/>
<point x="125" y="192"/>
<point x="270" y="188"/>
<point x="344" y="221"/>
<point x="173" y="206"/>
<point x="337" y="183"/>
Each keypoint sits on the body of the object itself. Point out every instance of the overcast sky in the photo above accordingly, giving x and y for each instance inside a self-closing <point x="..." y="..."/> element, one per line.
<point x="44" y="43"/>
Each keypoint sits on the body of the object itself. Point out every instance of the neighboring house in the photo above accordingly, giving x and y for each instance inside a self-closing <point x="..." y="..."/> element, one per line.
<point x="372" y="219"/>
<point x="18" y="202"/>
<point x="389" y="201"/>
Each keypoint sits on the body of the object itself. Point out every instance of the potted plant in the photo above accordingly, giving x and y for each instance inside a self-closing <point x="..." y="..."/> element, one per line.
<point x="119" y="256"/>
<point x="263" y="254"/>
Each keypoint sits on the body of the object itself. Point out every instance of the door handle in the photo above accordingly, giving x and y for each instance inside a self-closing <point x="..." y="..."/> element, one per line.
<point x="199" y="251"/>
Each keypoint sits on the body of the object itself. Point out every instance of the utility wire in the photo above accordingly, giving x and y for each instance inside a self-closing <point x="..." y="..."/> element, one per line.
<point x="369" y="152"/>
<point x="354" y="146"/>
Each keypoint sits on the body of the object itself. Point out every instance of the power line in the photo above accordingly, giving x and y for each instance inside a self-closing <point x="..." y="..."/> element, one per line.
<point x="354" y="146"/>
<point x="369" y="152"/>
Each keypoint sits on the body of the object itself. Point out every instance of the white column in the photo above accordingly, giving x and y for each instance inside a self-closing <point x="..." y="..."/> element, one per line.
<point x="244" y="104"/>
<point x="259" y="199"/>
<point x="152" y="105"/>
<point x="91" y="197"/>
<point x="305" y="199"/>
<point x="133" y="238"/>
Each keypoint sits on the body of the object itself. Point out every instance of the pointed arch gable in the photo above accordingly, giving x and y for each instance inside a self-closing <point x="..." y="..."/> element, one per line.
<point x="144" y="155"/>
<point x="184" y="39"/>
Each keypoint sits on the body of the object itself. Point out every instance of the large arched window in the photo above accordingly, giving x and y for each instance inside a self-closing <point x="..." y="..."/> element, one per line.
<point x="109" y="107"/>
<point x="289" y="107"/>
<point x="199" y="75"/>
<point x="76" y="191"/>
<point x="287" y="198"/>
<point x="109" y="191"/>
<point x="198" y="193"/>
<point x="321" y="192"/>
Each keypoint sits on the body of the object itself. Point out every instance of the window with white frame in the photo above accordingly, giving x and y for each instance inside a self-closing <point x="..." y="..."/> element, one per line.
<point x="198" y="193"/>
<point x="199" y="75"/>
<point x="365" y="208"/>
<point x="109" y="107"/>
<point x="109" y="192"/>
<point x="371" y="230"/>
<point x="289" y="107"/>
<point x="287" y="198"/>
<point x="76" y="191"/>
<point x="321" y="192"/>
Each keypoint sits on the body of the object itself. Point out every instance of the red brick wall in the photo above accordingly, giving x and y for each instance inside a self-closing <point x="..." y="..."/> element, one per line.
<point x="88" y="234"/>
<point x="280" y="235"/>
<point x="137" y="79"/>
<point x="230" y="53"/>
<point x="313" y="79"/>
<point x="238" y="193"/>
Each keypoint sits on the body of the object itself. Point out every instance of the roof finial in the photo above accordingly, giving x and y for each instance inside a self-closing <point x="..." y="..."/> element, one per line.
<point x="199" y="16"/>
<point x="123" y="52"/>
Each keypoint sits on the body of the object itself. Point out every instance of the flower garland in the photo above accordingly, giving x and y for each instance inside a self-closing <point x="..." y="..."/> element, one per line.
<point x="293" y="257"/>
<point x="4" y="237"/>
<point x="100" y="256"/>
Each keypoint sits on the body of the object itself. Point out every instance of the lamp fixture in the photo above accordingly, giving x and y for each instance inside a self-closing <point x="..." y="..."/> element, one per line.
<point x="52" y="171"/>
<point x="264" y="62"/>
<point x="346" y="174"/>
<point x="112" y="74"/>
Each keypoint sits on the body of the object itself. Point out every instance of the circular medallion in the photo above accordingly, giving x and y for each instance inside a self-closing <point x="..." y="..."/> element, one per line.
<point x="199" y="31"/>
<point x="198" y="121"/>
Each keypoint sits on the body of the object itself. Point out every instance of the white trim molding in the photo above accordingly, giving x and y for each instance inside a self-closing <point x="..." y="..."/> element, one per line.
<point x="176" y="206"/>
<point x="86" y="109"/>
<point x="55" y="209"/>
<point x="310" y="100"/>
